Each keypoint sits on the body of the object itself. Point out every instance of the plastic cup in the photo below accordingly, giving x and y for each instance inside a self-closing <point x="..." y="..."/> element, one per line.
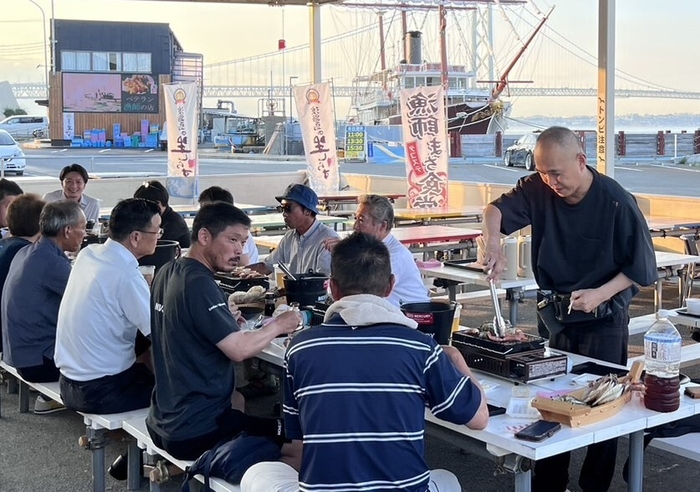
<point x="148" y="272"/>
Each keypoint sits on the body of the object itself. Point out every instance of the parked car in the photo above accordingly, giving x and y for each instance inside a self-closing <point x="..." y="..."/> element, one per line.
<point x="522" y="152"/>
<point x="11" y="156"/>
<point x="25" y="126"/>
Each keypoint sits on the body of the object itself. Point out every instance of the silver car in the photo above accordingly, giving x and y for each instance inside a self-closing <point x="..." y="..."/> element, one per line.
<point x="522" y="152"/>
<point x="11" y="156"/>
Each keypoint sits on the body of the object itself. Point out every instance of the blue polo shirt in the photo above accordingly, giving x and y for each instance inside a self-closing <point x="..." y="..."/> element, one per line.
<point x="31" y="297"/>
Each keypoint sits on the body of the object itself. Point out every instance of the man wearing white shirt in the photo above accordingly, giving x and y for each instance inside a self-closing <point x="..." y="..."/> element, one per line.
<point x="105" y="305"/>
<point x="74" y="178"/>
<point x="375" y="216"/>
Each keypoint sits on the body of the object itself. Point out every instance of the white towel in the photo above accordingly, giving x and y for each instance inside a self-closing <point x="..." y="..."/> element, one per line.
<point x="367" y="309"/>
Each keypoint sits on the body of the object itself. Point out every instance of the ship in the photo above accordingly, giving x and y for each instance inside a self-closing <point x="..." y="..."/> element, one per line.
<point x="470" y="109"/>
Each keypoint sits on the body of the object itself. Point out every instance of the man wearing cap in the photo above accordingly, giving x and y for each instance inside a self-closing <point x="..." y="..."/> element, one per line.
<point x="302" y="247"/>
<point x="74" y="178"/>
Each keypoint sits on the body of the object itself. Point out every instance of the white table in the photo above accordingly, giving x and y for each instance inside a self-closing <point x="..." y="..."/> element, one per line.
<point x="498" y="437"/>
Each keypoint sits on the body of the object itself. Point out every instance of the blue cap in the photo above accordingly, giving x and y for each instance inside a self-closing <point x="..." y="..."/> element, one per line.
<point x="303" y="195"/>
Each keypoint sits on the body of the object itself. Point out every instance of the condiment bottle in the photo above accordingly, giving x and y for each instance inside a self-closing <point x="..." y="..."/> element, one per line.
<point x="269" y="303"/>
<point x="662" y="360"/>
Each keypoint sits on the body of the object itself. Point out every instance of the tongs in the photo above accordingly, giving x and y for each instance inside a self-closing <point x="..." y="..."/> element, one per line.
<point x="499" y="324"/>
<point x="286" y="270"/>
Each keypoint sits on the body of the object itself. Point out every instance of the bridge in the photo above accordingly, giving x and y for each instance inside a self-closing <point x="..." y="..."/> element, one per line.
<point x="38" y="91"/>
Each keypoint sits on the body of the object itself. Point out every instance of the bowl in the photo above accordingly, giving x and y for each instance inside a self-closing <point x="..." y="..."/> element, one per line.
<point x="693" y="305"/>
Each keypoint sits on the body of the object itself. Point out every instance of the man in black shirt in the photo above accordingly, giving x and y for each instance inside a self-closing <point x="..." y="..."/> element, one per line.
<point x="173" y="225"/>
<point x="195" y="337"/>
<point x="590" y="244"/>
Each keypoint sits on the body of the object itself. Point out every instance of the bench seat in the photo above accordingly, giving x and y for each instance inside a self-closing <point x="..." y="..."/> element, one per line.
<point x="137" y="428"/>
<point x="687" y="446"/>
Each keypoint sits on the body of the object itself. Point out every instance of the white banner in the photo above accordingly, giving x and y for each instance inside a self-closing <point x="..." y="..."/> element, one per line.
<point x="425" y="140"/>
<point x="68" y="126"/>
<point x="182" y="130"/>
<point x="315" y="110"/>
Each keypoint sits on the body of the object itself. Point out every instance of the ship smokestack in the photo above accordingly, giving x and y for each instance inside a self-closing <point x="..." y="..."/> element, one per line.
<point x="412" y="48"/>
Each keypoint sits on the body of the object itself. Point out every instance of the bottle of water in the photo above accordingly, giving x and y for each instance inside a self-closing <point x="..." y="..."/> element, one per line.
<point x="662" y="360"/>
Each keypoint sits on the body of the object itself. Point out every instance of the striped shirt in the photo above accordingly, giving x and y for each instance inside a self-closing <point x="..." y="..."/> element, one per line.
<point x="357" y="396"/>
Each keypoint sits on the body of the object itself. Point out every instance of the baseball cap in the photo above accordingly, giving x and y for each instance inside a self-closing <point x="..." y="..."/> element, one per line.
<point x="303" y="195"/>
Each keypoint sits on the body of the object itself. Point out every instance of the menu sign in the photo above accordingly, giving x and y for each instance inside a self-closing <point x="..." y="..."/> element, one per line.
<point x="355" y="144"/>
<point x="139" y="94"/>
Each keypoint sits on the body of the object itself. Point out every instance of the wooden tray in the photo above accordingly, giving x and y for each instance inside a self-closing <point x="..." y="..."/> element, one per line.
<point x="577" y="415"/>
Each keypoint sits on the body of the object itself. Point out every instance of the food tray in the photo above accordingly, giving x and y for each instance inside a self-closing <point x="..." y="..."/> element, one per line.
<point x="577" y="415"/>
<point x="533" y="342"/>
<point x="684" y="312"/>
<point x="466" y="265"/>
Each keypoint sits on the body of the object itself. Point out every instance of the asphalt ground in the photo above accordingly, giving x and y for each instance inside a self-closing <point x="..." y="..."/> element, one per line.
<point x="40" y="453"/>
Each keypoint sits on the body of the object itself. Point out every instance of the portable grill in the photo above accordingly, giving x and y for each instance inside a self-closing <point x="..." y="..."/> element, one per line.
<point x="522" y="361"/>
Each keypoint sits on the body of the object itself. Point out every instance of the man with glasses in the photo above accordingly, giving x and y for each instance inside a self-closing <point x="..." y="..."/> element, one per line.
<point x="302" y="248"/>
<point x="375" y="216"/>
<point x="102" y="349"/>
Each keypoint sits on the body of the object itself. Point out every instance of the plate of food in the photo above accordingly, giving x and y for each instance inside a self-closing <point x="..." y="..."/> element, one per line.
<point x="139" y="84"/>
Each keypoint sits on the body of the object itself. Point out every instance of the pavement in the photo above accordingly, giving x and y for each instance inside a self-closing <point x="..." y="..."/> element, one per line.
<point x="41" y="452"/>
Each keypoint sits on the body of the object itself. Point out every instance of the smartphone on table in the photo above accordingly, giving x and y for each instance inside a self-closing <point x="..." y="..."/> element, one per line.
<point x="538" y="431"/>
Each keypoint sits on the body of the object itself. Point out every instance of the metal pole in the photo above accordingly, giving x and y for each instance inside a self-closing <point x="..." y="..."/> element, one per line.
<point x="46" y="48"/>
<point x="53" y="40"/>
<point x="291" y="97"/>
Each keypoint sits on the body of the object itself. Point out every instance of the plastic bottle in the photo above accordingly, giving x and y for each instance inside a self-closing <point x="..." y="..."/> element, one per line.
<point x="662" y="360"/>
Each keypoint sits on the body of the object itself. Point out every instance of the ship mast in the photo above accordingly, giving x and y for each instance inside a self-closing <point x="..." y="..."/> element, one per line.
<point x="503" y="82"/>
<point x="443" y="49"/>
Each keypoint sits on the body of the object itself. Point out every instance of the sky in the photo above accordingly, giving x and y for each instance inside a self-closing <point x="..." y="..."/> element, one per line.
<point x="652" y="42"/>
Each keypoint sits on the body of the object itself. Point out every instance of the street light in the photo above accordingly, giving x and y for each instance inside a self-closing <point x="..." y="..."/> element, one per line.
<point x="291" y="96"/>
<point x="46" y="50"/>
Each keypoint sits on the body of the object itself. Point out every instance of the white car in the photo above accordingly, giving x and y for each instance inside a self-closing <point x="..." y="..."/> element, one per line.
<point x="25" y="126"/>
<point x="11" y="156"/>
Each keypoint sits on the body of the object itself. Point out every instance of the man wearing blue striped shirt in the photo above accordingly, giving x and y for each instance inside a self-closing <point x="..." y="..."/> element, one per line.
<point x="356" y="388"/>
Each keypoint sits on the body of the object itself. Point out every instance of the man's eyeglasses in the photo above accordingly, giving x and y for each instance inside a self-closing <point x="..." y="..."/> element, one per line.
<point x="285" y="208"/>
<point x="159" y="232"/>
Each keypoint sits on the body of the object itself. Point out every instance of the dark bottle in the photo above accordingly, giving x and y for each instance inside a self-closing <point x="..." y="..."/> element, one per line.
<point x="270" y="303"/>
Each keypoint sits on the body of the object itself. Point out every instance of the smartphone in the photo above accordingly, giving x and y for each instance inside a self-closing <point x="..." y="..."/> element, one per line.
<point x="538" y="431"/>
<point x="693" y="391"/>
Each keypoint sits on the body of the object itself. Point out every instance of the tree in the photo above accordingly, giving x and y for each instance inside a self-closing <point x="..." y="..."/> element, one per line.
<point x="13" y="112"/>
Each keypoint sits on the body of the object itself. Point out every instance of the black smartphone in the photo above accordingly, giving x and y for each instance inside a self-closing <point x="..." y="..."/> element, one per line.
<point x="494" y="410"/>
<point x="538" y="431"/>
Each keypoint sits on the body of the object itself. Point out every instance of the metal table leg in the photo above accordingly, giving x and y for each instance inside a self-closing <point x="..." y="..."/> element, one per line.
<point x="134" y="467"/>
<point x="23" y="397"/>
<point x="523" y="481"/>
<point x="636" y="461"/>
<point x="96" y="444"/>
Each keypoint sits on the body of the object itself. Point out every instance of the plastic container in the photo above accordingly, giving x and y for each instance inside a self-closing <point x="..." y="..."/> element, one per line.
<point x="662" y="359"/>
<point x="434" y="318"/>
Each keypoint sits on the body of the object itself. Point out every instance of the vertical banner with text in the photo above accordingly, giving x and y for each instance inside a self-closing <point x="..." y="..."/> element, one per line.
<point x="68" y="126"/>
<point x="425" y="140"/>
<point x="315" y="110"/>
<point x="182" y="130"/>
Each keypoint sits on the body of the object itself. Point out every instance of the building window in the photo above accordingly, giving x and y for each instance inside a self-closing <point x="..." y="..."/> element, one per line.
<point x="101" y="61"/>
<point x="115" y="62"/>
<point x="144" y="63"/>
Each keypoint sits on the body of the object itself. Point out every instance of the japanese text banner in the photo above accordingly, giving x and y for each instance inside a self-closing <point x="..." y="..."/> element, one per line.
<point x="182" y="130"/>
<point x="315" y="110"/>
<point x="425" y="140"/>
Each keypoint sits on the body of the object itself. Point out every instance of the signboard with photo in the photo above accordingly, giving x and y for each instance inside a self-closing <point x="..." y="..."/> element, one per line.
<point x="109" y="93"/>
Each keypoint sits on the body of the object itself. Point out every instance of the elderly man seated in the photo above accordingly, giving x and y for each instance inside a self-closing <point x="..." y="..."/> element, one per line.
<point x="32" y="295"/>
<point x="74" y="178"/>
<point x="375" y="216"/>
<point x="302" y="247"/>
